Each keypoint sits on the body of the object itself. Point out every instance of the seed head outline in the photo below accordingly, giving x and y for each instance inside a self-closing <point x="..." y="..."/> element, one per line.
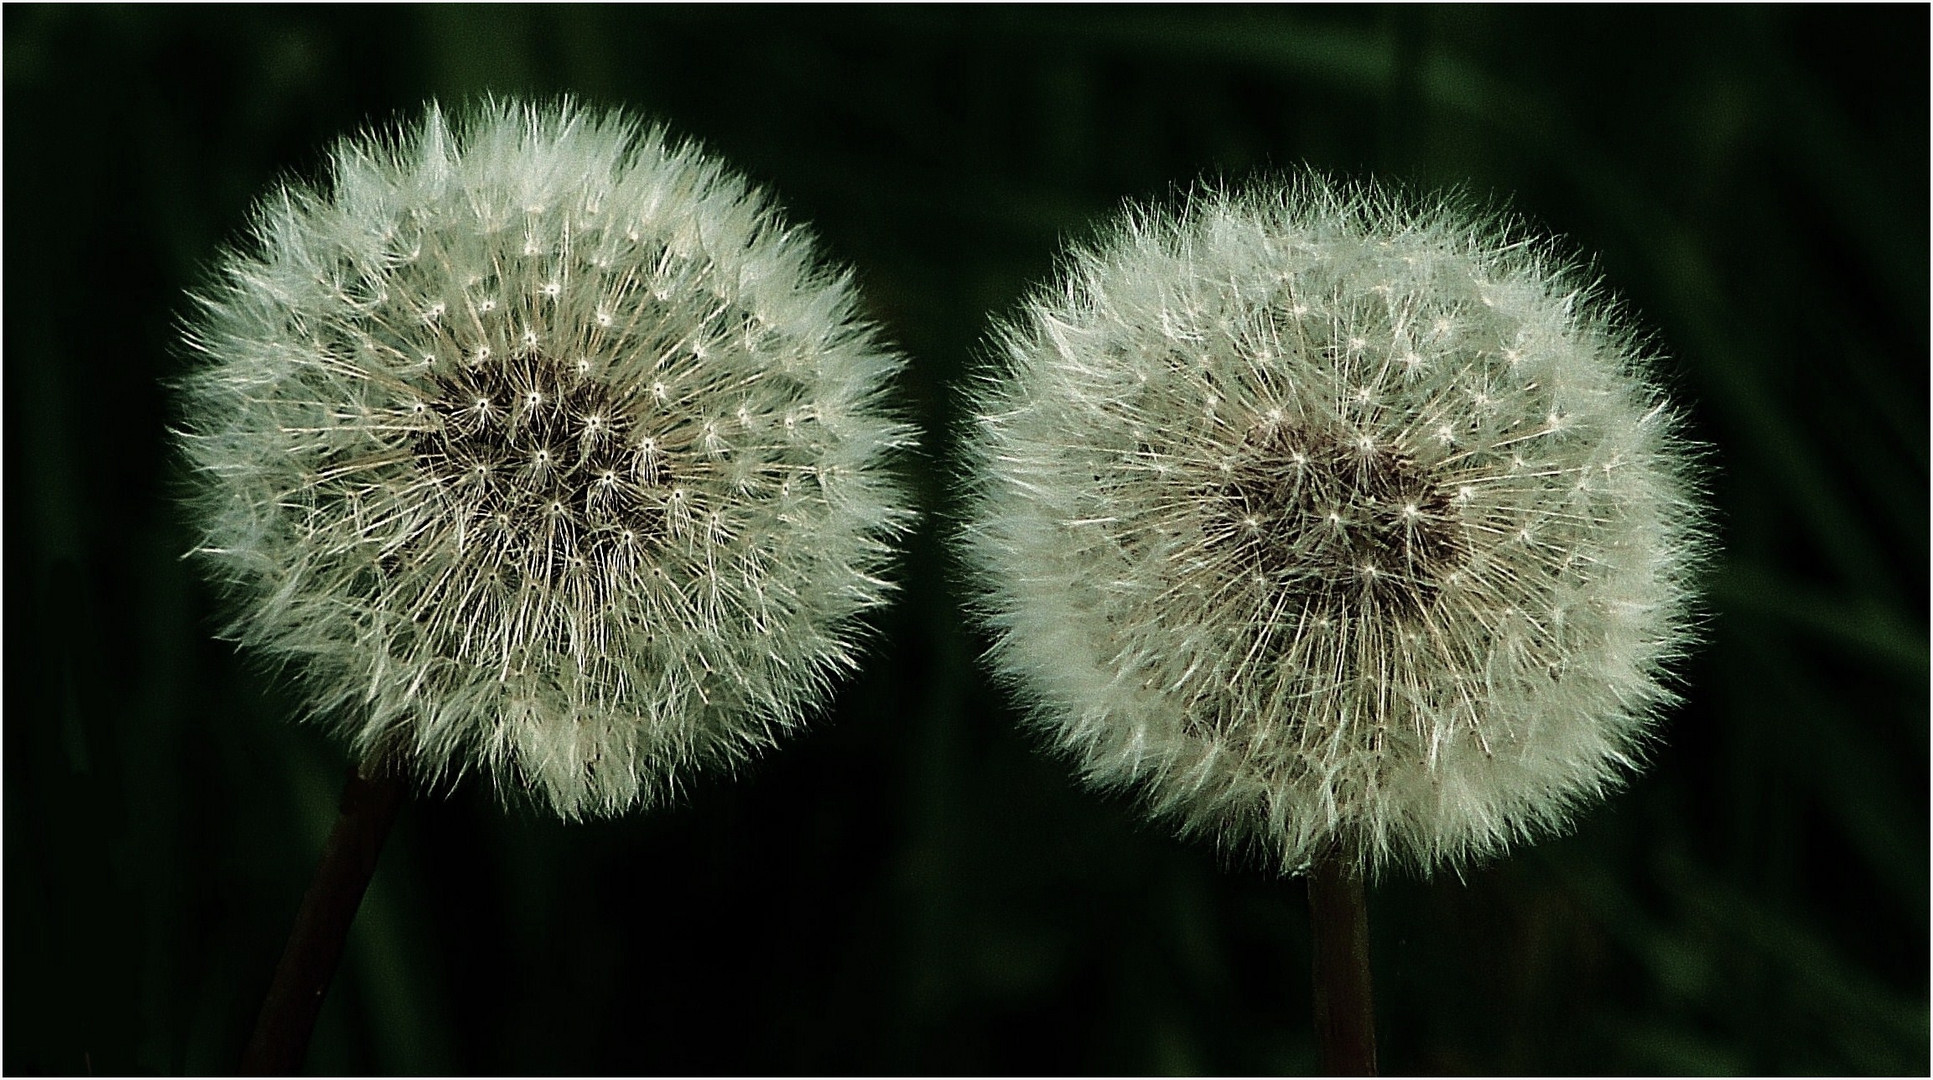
<point x="538" y="445"/>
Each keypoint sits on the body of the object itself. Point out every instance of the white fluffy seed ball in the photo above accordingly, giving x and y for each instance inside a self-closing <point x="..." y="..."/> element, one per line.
<point x="1328" y="522"/>
<point x="538" y="445"/>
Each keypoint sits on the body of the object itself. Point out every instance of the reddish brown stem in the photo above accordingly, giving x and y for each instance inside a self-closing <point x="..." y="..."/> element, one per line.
<point x="368" y="807"/>
<point x="1344" y="1005"/>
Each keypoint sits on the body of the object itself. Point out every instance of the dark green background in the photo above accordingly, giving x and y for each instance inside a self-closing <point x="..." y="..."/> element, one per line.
<point x="911" y="887"/>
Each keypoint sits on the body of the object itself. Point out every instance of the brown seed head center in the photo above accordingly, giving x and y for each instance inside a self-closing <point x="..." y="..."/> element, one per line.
<point x="546" y="461"/>
<point x="1341" y="520"/>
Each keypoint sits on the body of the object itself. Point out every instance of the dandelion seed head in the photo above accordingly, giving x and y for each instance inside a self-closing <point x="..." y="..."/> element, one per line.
<point x="1389" y="597"/>
<point x="486" y="435"/>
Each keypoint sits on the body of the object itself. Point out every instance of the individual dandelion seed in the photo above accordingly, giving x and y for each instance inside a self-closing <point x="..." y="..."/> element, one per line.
<point x="539" y="446"/>
<point x="1335" y="525"/>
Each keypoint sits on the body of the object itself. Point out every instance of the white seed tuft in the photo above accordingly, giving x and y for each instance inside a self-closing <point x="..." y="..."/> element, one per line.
<point x="463" y="515"/>
<point x="1303" y="621"/>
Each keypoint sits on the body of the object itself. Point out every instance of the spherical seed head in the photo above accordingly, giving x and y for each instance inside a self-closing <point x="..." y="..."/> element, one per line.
<point x="541" y="446"/>
<point x="1330" y="522"/>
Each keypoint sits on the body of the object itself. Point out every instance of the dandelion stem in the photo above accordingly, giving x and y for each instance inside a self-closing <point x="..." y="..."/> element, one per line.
<point x="369" y="803"/>
<point x="1345" y="1012"/>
